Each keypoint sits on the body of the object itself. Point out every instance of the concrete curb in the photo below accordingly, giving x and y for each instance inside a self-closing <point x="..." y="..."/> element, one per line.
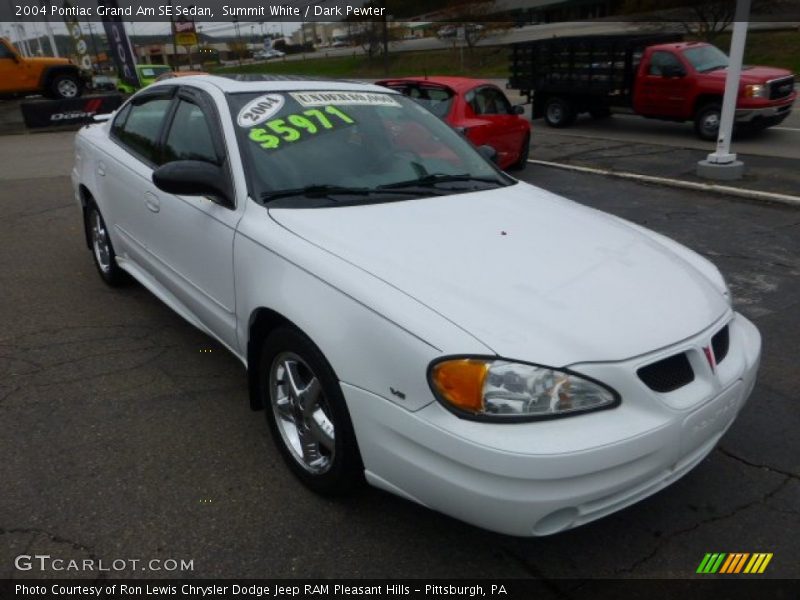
<point x="678" y="183"/>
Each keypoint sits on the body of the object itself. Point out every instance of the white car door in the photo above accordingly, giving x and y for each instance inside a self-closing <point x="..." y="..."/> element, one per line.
<point x="190" y="238"/>
<point x="124" y="172"/>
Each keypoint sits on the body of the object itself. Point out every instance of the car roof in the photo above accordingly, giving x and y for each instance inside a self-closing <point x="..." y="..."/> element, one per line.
<point x="458" y="84"/>
<point x="679" y="45"/>
<point x="234" y="83"/>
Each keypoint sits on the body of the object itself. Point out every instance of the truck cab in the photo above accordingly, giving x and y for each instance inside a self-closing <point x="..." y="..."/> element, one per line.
<point x="50" y="76"/>
<point x="686" y="81"/>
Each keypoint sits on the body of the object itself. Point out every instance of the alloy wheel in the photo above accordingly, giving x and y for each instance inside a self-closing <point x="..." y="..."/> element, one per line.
<point x="302" y="413"/>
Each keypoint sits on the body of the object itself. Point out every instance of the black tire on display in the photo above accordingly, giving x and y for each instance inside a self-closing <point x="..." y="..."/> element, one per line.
<point x="307" y="413"/>
<point x="65" y="87"/>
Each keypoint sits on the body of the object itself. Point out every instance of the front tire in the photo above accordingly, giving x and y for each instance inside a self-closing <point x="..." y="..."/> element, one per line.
<point x="706" y="121"/>
<point x="307" y="414"/>
<point x="65" y="87"/>
<point x="105" y="259"/>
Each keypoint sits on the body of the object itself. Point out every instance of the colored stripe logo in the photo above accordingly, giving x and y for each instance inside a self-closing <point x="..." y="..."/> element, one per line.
<point x="734" y="563"/>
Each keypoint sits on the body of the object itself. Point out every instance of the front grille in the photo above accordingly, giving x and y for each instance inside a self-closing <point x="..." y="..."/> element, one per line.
<point x="720" y="343"/>
<point x="667" y="375"/>
<point x="781" y="88"/>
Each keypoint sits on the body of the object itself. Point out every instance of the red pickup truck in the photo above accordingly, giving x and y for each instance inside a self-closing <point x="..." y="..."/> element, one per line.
<point x="655" y="76"/>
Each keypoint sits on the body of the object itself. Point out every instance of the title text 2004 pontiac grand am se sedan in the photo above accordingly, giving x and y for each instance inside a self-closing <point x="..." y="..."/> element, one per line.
<point x="408" y="313"/>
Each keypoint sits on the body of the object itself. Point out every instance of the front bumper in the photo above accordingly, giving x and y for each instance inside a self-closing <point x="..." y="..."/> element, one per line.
<point x="543" y="477"/>
<point x="772" y="114"/>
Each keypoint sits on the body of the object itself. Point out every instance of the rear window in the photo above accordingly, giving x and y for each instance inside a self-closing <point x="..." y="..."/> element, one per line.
<point x="436" y="99"/>
<point x="153" y="71"/>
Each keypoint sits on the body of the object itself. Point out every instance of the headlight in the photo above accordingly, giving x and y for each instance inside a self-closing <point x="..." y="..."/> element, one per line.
<point x="755" y="91"/>
<point x="499" y="390"/>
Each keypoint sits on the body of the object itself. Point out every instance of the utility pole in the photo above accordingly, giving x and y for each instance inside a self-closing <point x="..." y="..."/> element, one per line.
<point x="38" y="39"/>
<point x="49" y="29"/>
<point x="385" y="41"/>
<point x="722" y="164"/>
<point x="174" y="44"/>
<point x="94" y="46"/>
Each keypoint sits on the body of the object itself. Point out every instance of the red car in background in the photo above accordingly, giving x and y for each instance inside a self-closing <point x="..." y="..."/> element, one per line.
<point x="475" y="107"/>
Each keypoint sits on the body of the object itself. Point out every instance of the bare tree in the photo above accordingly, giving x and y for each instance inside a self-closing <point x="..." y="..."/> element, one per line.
<point x="475" y="18"/>
<point x="705" y="19"/>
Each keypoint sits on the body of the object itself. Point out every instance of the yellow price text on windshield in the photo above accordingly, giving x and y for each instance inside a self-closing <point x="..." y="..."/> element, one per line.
<point x="298" y="126"/>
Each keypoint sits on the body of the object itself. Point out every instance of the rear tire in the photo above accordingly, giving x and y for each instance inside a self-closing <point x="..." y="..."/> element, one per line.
<point x="706" y="121"/>
<point x="558" y="112"/>
<point x="522" y="161"/>
<point x="307" y="414"/>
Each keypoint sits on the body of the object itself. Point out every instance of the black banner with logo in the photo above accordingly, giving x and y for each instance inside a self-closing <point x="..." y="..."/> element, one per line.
<point x="75" y="111"/>
<point x="119" y="45"/>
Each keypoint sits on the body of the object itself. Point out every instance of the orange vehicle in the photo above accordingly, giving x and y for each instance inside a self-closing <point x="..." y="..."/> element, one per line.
<point x="50" y="76"/>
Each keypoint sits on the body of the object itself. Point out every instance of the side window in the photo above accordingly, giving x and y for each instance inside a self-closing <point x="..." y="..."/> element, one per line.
<point x="496" y="102"/>
<point x="489" y="101"/>
<point x="5" y="52"/>
<point x="142" y="126"/>
<point x="119" y="120"/>
<point x="661" y="59"/>
<point x="189" y="136"/>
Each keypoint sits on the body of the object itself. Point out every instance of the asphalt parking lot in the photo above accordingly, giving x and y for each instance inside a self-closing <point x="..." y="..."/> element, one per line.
<point x="126" y="433"/>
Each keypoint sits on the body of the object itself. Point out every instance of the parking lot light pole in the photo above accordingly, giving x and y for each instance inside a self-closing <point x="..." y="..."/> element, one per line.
<point x="722" y="164"/>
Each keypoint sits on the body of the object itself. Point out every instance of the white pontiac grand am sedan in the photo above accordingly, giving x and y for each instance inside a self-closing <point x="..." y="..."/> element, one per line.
<point x="407" y="313"/>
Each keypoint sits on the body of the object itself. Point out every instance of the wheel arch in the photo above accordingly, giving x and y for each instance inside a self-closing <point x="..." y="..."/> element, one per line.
<point x="262" y="322"/>
<point x="702" y="100"/>
<point x="50" y="73"/>
<point x="85" y="196"/>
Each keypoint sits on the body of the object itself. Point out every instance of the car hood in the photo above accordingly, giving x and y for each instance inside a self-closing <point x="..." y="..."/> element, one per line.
<point x="533" y="276"/>
<point x="752" y="75"/>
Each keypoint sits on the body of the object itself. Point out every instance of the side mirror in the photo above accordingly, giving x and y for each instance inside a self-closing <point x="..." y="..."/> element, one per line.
<point x="672" y="71"/>
<point x="488" y="152"/>
<point x="518" y="109"/>
<point x="194" y="178"/>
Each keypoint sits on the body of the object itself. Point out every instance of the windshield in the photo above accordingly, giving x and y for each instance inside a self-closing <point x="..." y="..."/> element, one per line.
<point x="706" y="58"/>
<point x="323" y="148"/>
<point x="152" y="71"/>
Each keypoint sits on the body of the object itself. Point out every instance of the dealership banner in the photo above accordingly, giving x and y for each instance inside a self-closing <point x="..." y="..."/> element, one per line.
<point x="119" y="45"/>
<point x="74" y="111"/>
<point x="75" y="34"/>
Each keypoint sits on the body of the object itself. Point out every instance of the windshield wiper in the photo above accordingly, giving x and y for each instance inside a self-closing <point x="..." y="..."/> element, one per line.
<point x="325" y="191"/>
<point x="316" y="191"/>
<point x="708" y="70"/>
<point x="436" y="178"/>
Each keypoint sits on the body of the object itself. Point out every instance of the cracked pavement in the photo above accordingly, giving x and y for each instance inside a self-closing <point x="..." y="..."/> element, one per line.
<point x="117" y="424"/>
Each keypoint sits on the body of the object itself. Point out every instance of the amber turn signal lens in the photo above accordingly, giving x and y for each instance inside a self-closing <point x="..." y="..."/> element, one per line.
<point x="460" y="382"/>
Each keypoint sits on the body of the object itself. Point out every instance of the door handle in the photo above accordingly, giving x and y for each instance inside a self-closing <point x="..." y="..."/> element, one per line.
<point x="101" y="169"/>
<point x="152" y="202"/>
